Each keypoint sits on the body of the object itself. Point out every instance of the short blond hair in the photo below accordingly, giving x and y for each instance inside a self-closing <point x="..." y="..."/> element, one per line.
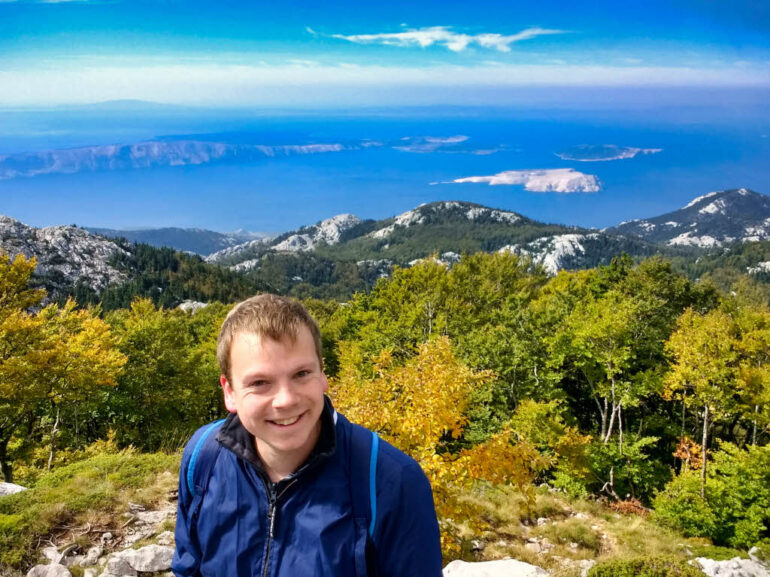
<point x="265" y="315"/>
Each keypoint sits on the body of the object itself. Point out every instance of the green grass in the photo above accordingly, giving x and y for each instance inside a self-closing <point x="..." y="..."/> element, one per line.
<point x="94" y="491"/>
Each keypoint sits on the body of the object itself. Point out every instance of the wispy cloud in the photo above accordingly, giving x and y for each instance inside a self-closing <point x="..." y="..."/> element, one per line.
<point x="564" y="180"/>
<point x="445" y="36"/>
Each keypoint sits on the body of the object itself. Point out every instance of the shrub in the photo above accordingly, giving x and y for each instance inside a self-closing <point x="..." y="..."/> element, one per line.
<point x="644" y="567"/>
<point x="736" y="510"/>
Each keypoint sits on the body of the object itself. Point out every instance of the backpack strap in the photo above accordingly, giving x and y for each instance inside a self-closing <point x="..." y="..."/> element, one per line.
<point x="363" y="468"/>
<point x="205" y="451"/>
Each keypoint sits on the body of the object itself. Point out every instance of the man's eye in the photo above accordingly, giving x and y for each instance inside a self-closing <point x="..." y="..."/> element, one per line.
<point x="257" y="383"/>
<point x="303" y="373"/>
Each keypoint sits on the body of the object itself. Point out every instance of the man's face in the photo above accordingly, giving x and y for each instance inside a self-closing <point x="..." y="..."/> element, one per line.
<point x="277" y="388"/>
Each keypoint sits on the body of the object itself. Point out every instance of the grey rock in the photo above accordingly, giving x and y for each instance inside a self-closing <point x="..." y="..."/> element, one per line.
<point x="585" y="566"/>
<point x="165" y="538"/>
<point x="151" y="558"/>
<point x="106" y="537"/>
<point x="502" y="568"/>
<point x="92" y="556"/>
<point x="735" y="567"/>
<point x="52" y="570"/>
<point x="52" y="554"/>
<point x="71" y="560"/>
<point x="477" y="545"/>
<point x="90" y="572"/>
<point x="541" y="521"/>
<point x="118" y="567"/>
<point x="10" y="488"/>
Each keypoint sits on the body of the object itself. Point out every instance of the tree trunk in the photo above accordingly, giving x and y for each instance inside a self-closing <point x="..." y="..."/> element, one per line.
<point x="620" y="428"/>
<point x="603" y="413"/>
<point x="684" y="409"/>
<point x="5" y="466"/>
<point x="703" y="451"/>
<point x="754" y="430"/>
<point x="54" y="431"/>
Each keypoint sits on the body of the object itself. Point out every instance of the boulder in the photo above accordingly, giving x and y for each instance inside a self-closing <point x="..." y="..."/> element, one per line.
<point x="52" y="570"/>
<point x="149" y="559"/>
<point x="118" y="567"/>
<point x="735" y="567"/>
<point x="10" y="489"/>
<point x="503" y="568"/>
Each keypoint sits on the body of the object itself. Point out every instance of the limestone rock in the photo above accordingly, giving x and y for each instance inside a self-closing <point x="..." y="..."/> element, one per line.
<point x="735" y="567"/>
<point x="92" y="556"/>
<point x="90" y="572"/>
<point x="10" y="489"/>
<point x="165" y="538"/>
<point x="52" y="570"/>
<point x="503" y="568"/>
<point x="52" y="554"/>
<point x="118" y="567"/>
<point x="150" y="559"/>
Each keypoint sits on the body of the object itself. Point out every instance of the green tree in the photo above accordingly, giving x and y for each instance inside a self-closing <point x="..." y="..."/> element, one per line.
<point x="21" y="340"/>
<point x="79" y="356"/>
<point x="704" y="352"/>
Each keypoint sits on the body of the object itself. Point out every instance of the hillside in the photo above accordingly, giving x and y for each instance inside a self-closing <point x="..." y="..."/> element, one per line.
<point x="714" y="219"/>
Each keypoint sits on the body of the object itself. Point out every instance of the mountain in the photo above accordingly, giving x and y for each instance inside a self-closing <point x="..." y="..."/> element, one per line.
<point x="194" y="240"/>
<point x="711" y="220"/>
<point x="65" y="255"/>
<point x="446" y="229"/>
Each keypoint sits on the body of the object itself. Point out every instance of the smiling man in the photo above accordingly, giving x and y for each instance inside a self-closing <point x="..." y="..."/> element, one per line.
<point x="286" y="486"/>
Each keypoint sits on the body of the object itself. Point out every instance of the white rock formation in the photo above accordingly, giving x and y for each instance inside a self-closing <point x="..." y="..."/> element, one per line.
<point x="10" y="489"/>
<point x="503" y="568"/>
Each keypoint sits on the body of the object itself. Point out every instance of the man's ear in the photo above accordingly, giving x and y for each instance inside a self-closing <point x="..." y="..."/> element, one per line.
<point x="230" y="403"/>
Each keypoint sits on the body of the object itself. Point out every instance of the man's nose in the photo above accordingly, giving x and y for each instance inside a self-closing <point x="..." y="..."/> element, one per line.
<point x="285" y="395"/>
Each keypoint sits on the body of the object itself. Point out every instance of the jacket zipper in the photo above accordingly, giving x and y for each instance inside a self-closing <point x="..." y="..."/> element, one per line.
<point x="271" y="521"/>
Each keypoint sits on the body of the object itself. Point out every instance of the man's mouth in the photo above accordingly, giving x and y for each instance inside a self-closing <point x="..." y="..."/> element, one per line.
<point x="286" y="422"/>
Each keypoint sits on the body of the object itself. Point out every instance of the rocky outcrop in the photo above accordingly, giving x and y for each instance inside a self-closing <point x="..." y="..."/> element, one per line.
<point x="735" y="567"/>
<point x="502" y="568"/>
<point x="65" y="254"/>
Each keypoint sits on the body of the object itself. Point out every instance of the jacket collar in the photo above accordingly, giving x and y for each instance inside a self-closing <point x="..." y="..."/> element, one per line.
<point x="235" y="437"/>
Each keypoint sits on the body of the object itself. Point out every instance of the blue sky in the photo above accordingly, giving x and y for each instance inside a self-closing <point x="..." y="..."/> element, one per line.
<point x="349" y="53"/>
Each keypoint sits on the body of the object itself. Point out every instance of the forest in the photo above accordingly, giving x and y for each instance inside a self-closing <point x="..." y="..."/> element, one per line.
<point x="629" y="384"/>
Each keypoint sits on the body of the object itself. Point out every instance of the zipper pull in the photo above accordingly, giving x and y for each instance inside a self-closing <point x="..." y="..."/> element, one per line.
<point x="271" y="519"/>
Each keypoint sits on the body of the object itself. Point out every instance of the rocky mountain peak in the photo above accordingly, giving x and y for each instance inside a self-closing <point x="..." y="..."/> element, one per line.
<point x="709" y="220"/>
<point x="65" y="254"/>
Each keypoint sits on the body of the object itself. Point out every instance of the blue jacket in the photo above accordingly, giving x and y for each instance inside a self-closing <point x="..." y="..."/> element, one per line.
<point x="227" y="532"/>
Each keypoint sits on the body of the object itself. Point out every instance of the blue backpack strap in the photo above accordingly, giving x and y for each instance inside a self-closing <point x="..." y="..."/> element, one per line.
<point x="202" y="460"/>
<point x="364" y="446"/>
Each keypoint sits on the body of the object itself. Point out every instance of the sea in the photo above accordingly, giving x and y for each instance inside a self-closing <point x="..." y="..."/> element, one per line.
<point x="651" y="160"/>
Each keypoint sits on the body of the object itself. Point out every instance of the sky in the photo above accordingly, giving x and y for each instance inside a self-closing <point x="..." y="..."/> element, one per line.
<point x="351" y="53"/>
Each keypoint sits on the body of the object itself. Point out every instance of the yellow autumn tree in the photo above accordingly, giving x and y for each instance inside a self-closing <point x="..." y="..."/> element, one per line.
<point x="420" y="407"/>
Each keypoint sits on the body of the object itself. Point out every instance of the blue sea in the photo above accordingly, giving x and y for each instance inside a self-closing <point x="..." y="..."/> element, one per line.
<point x="393" y="160"/>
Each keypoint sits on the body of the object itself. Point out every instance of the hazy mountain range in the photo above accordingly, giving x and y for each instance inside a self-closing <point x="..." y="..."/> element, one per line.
<point x="445" y="230"/>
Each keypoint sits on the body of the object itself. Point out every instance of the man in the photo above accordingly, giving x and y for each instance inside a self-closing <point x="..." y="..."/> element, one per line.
<point x="279" y="493"/>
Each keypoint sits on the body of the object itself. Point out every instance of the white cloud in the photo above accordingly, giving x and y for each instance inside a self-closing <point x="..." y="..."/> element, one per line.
<point x="548" y="180"/>
<point x="445" y="36"/>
